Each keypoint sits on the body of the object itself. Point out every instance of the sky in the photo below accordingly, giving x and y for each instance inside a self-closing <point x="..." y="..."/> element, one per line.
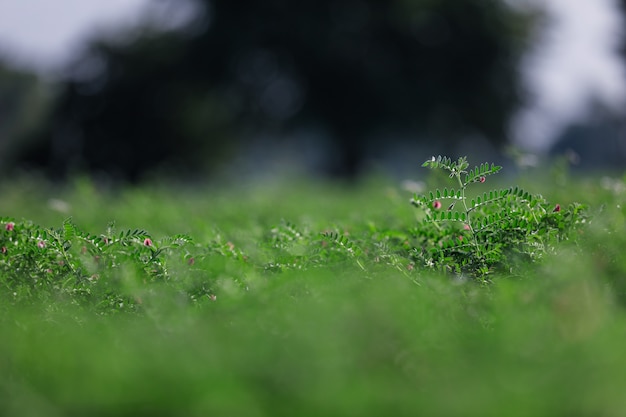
<point x="575" y="61"/>
<point x="46" y="33"/>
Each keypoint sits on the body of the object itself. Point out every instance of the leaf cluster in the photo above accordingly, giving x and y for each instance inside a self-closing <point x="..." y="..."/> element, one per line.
<point x="490" y="230"/>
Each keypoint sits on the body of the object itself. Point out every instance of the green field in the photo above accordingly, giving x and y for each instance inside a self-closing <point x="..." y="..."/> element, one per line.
<point x="303" y="299"/>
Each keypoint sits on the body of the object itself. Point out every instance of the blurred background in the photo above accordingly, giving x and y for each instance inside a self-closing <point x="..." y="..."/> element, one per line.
<point x="136" y="90"/>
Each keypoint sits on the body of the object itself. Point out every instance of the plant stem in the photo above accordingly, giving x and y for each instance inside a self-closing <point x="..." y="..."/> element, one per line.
<point x="477" y="250"/>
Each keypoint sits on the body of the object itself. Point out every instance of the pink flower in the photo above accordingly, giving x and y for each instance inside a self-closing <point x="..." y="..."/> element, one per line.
<point x="41" y="244"/>
<point x="436" y="204"/>
<point x="482" y="179"/>
<point x="147" y="242"/>
<point x="557" y="208"/>
<point x="466" y="227"/>
<point x="10" y="226"/>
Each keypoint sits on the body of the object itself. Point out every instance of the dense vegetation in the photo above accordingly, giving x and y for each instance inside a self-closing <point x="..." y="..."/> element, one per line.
<point x="313" y="299"/>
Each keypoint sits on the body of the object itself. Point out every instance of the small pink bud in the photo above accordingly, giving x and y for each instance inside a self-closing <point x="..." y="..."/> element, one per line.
<point x="147" y="242"/>
<point x="482" y="179"/>
<point x="461" y="238"/>
<point x="191" y="261"/>
<point x="436" y="204"/>
<point x="10" y="226"/>
<point x="557" y="208"/>
<point x="41" y="244"/>
<point x="466" y="227"/>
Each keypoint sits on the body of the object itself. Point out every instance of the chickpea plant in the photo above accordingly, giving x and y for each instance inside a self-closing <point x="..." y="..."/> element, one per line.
<point x="467" y="229"/>
<point x="477" y="233"/>
<point x="51" y="264"/>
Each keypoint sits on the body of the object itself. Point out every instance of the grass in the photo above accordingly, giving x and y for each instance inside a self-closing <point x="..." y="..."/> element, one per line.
<point x="325" y="333"/>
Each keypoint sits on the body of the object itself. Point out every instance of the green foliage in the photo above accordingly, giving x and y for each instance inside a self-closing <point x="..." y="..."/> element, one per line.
<point x="492" y="229"/>
<point x="348" y="322"/>
<point x="108" y="272"/>
<point x="476" y="235"/>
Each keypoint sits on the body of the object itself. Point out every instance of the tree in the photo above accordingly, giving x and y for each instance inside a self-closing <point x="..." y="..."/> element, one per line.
<point x="448" y="67"/>
<point x="23" y="103"/>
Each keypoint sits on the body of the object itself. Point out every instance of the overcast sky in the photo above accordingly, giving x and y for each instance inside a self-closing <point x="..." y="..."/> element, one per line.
<point x="575" y="63"/>
<point x="45" y="33"/>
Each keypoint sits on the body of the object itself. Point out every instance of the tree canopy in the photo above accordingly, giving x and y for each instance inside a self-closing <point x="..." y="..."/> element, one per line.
<point x="191" y="98"/>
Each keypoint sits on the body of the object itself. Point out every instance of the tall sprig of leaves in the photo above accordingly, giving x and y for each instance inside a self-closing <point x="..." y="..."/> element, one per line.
<point x="491" y="229"/>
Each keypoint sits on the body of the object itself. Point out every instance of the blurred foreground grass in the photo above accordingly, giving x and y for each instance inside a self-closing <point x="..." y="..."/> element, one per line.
<point x="545" y="341"/>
